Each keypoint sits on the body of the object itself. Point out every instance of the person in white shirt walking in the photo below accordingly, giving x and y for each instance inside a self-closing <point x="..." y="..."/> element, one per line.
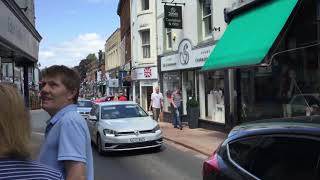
<point x="156" y="103"/>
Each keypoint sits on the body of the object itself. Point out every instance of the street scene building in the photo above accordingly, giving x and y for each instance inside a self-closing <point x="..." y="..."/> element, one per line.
<point x="169" y="89"/>
<point x="124" y="12"/>
<point x="182" y="53"/>
<point x="268" y="81"/>
<point x="19" y="47"/>
<point x="113" y="62"/>
<point x="144" y="72"/>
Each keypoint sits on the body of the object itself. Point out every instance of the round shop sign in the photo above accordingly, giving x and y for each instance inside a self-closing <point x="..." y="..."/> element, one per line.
<point x="185" y="49"/>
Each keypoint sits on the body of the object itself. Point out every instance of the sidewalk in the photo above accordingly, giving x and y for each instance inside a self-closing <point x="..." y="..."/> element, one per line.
<point x="200" y="140"/>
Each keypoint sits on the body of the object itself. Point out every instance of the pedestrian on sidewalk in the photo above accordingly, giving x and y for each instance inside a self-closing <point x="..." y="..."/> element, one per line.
<point x="67" y="144"/>
<point x="176" y="104"/>
<point x="156" y="103"/>
<point x="122" y="97"/>
<point x="15" y="133"/>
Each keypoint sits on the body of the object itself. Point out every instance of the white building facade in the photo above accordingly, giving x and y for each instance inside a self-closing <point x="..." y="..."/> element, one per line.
<point x="144" y="72"/>
<point x="183" y="52"/>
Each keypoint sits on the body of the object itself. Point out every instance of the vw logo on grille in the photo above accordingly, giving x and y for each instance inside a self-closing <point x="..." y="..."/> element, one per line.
<point x="136" y="132"/>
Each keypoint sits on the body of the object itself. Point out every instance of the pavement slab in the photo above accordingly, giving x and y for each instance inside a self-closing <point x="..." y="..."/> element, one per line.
<point x="201" y="140"/>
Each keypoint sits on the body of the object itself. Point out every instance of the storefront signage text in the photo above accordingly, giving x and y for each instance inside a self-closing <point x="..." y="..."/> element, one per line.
<point x="173" y="17"/>
<point x="186" y="57"/>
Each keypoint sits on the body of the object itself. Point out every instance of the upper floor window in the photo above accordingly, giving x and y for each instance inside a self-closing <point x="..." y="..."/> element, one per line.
<point x="169" y="38"/>
<point x="145" y="39"/>
<point x="144" y="5"/>
<point x="206" y="17"/>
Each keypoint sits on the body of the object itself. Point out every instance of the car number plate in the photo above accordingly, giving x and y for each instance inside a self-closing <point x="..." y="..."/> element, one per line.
<point x="134" y="140"/>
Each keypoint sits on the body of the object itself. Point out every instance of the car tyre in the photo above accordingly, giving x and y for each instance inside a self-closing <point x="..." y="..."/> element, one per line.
<point x="99" y="145"/>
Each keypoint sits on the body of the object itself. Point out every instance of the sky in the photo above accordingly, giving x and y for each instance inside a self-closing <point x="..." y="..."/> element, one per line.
<point x="71" y="29"/>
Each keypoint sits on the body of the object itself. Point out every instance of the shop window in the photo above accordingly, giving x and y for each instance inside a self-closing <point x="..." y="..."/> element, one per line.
<point x="171" y="80"/>
<point x="206" y="17"/>
<point x="169" y="38"/>
<point x="188" y="88"/>
<point x="214" y="94"/>
<point x="144" y="5"/>
<point x="137" y="91"/>
<point x="145" y="38"/>
<point x="318" y="10"/>
<point x="289" y="88"/>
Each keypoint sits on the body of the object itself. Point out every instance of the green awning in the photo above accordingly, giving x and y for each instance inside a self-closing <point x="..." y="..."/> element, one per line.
<point x="249" y="36"/>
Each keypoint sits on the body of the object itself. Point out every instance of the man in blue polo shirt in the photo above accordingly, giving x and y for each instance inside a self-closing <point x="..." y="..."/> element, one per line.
<point x="67" y="145"/>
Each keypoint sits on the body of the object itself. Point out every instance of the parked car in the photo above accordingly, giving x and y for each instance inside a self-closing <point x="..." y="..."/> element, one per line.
<point x="299" y="105"/>
<point x="121" y="126"/>
<point x="281" y="149"/>
<point x="84" y="107"/>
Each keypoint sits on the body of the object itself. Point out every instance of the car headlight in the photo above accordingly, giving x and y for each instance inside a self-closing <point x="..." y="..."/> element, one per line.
<point x="157" y="128"/>
<point x="108" y="132"/>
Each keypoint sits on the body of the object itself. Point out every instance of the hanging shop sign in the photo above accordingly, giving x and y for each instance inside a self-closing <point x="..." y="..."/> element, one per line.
<point x="173" y="17"/>
<point x="186" y="57"/>
<point x="144" y="73"/>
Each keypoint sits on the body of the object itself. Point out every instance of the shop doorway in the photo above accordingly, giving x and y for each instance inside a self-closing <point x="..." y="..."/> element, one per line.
<point x="146" y="92"/>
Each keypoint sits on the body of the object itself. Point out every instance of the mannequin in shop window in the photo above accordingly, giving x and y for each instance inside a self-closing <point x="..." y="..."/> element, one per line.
<point x="288" y="87"/>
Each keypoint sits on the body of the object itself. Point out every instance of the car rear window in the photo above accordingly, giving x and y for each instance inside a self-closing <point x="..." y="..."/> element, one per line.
<point x="84" y="104"/>
<point x="122" y="111"/>
<point x="277" y="157"/>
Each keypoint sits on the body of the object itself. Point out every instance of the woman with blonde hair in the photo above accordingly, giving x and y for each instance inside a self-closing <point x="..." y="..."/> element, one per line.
<point x="15" y="133"/>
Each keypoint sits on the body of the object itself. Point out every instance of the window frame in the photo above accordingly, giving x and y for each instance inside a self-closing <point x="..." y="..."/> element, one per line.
<point x="145" y="44"/>
<point x="169" y="40"/>
<point x="143" y="5"/>
<point x="204" y="18"/>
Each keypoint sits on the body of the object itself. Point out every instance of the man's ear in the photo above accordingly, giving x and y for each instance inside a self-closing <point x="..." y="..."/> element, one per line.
<point x="72" y="94"/>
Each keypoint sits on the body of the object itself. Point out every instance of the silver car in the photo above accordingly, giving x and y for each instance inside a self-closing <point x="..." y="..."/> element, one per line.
<point x="122" y="125"/>
<point x="84" y="107"/>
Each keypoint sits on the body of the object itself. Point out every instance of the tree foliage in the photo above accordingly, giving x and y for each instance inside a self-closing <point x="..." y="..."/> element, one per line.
<point x="84" y="65"/>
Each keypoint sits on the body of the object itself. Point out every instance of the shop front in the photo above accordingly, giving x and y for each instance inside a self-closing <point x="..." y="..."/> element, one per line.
<point x="182" y="70"/>
<point x="274" y="74"/>
<point x="19" y="48"/>
<point x="145" y="79"/>
<point x="112" y="82"/>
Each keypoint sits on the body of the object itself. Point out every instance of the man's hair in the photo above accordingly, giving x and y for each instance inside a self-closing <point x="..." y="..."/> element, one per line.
<point x="69" y="77"/>
<point x="15" y="130"/>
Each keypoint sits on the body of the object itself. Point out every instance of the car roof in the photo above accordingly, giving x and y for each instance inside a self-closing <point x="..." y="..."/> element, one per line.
<point x="115" y="103"/>
<point x="84" y="100"/>
<point x="297" y="125"/>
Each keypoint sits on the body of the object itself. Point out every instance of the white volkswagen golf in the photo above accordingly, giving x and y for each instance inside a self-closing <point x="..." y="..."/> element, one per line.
<point x="122" y="125"/>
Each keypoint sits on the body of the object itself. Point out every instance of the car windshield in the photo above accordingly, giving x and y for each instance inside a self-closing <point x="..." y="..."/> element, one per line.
<point x="122" y="111"/>
<point x="85" y="104"/>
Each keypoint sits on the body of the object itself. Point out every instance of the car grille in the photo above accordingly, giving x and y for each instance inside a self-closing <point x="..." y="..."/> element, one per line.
<point x="132" y="133"/>
<point x="135" y="145"/>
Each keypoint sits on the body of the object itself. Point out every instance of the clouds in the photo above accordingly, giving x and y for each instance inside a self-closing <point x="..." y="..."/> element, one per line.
<point x="70" y="52"/>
